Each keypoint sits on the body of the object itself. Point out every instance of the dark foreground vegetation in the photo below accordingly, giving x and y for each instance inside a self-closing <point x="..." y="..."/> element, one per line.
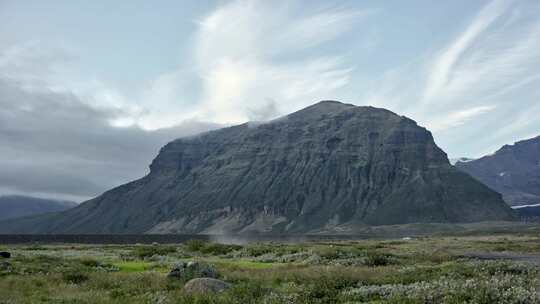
<point x="422" y="270"/>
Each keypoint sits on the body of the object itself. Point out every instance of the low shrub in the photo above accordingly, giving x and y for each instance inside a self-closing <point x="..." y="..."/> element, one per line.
<point x="148" y="251"/>
<point x="258" y="250"/>
<point x="89" y="262"/>
<point x="35" y="248"/>
<point x="243" y="292"/>
<point x="218" y="249"/>
<point x="483" y="289"/>
<point x="326" y="289"/>
<point x="195" y="245"/>
<point x="74" y="276"/>
<point x="375" y="259"/>
<point x="210" y="248"/>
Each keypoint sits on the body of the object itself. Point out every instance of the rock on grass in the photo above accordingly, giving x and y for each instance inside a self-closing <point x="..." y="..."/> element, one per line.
<point x="191" y="270"/>
<point x="205" y="286"/>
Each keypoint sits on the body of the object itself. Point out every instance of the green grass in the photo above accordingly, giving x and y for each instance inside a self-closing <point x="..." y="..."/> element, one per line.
<point x="423" y="270"/>
<point x="133" y="266"/>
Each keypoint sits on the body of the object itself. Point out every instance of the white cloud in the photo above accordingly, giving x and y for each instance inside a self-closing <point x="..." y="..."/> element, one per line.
<point x="239" y="53"/>
<point x="237" y="64"/>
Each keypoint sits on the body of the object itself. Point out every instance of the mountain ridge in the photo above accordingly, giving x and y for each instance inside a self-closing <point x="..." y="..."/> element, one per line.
<point x="513" y="170"/>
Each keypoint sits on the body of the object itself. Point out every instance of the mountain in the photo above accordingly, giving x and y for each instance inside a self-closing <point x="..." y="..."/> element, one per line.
<point x="329" y="167"/>
<point x="513" y="171"/>
<point x="13" y="206"/>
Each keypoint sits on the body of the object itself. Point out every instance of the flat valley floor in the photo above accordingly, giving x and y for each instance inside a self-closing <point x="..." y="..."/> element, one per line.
<point x="502" y="268"/>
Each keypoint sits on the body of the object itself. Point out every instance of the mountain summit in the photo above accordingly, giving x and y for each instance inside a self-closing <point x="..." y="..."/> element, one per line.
<point x="329" y="167"/>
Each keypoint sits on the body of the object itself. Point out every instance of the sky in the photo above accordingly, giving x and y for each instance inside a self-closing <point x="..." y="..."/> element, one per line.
<point x="90" y="90"/>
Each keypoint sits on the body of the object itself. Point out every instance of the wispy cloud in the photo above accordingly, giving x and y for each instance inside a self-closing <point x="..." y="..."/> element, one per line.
<point x="485" y="69"/>
<point x="458" y="118"/>
<point x="444" y="65"/>
<point x="502" y="58"/>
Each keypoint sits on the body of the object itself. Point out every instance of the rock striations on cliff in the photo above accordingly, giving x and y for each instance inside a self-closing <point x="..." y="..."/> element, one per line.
<point x="329" y="167"/>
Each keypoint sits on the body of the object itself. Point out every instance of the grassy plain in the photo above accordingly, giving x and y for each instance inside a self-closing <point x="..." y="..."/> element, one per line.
<point x="464" y="269"/>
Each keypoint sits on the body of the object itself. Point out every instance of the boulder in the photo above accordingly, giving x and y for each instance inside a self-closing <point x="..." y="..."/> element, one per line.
<point x="190" y="270"/>
<point x="205" y="286"/>
<point x="5" y="254"/>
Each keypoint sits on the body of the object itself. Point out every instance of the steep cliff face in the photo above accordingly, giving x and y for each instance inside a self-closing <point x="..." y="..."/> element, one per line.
<point x="514" y="171"/>
<point x="328" y="167"/>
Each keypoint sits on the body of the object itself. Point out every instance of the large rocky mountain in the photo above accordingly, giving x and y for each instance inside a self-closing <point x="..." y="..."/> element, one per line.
<point x="13" y="206"/>
<point x="329" y="167"/>
<point x="514" y="171"/>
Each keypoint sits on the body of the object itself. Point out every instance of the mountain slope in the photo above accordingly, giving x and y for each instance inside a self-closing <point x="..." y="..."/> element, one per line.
<point x="328" y="167"/>
<point x="514" y="171"/>
<point x="528" y="212"/>
<point x="13" y="206"/>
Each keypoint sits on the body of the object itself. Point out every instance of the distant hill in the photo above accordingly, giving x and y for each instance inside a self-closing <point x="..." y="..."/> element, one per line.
<point x="331" y="167"/>
<point x="13" y="206"/>
<point x="513" y="171"/>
